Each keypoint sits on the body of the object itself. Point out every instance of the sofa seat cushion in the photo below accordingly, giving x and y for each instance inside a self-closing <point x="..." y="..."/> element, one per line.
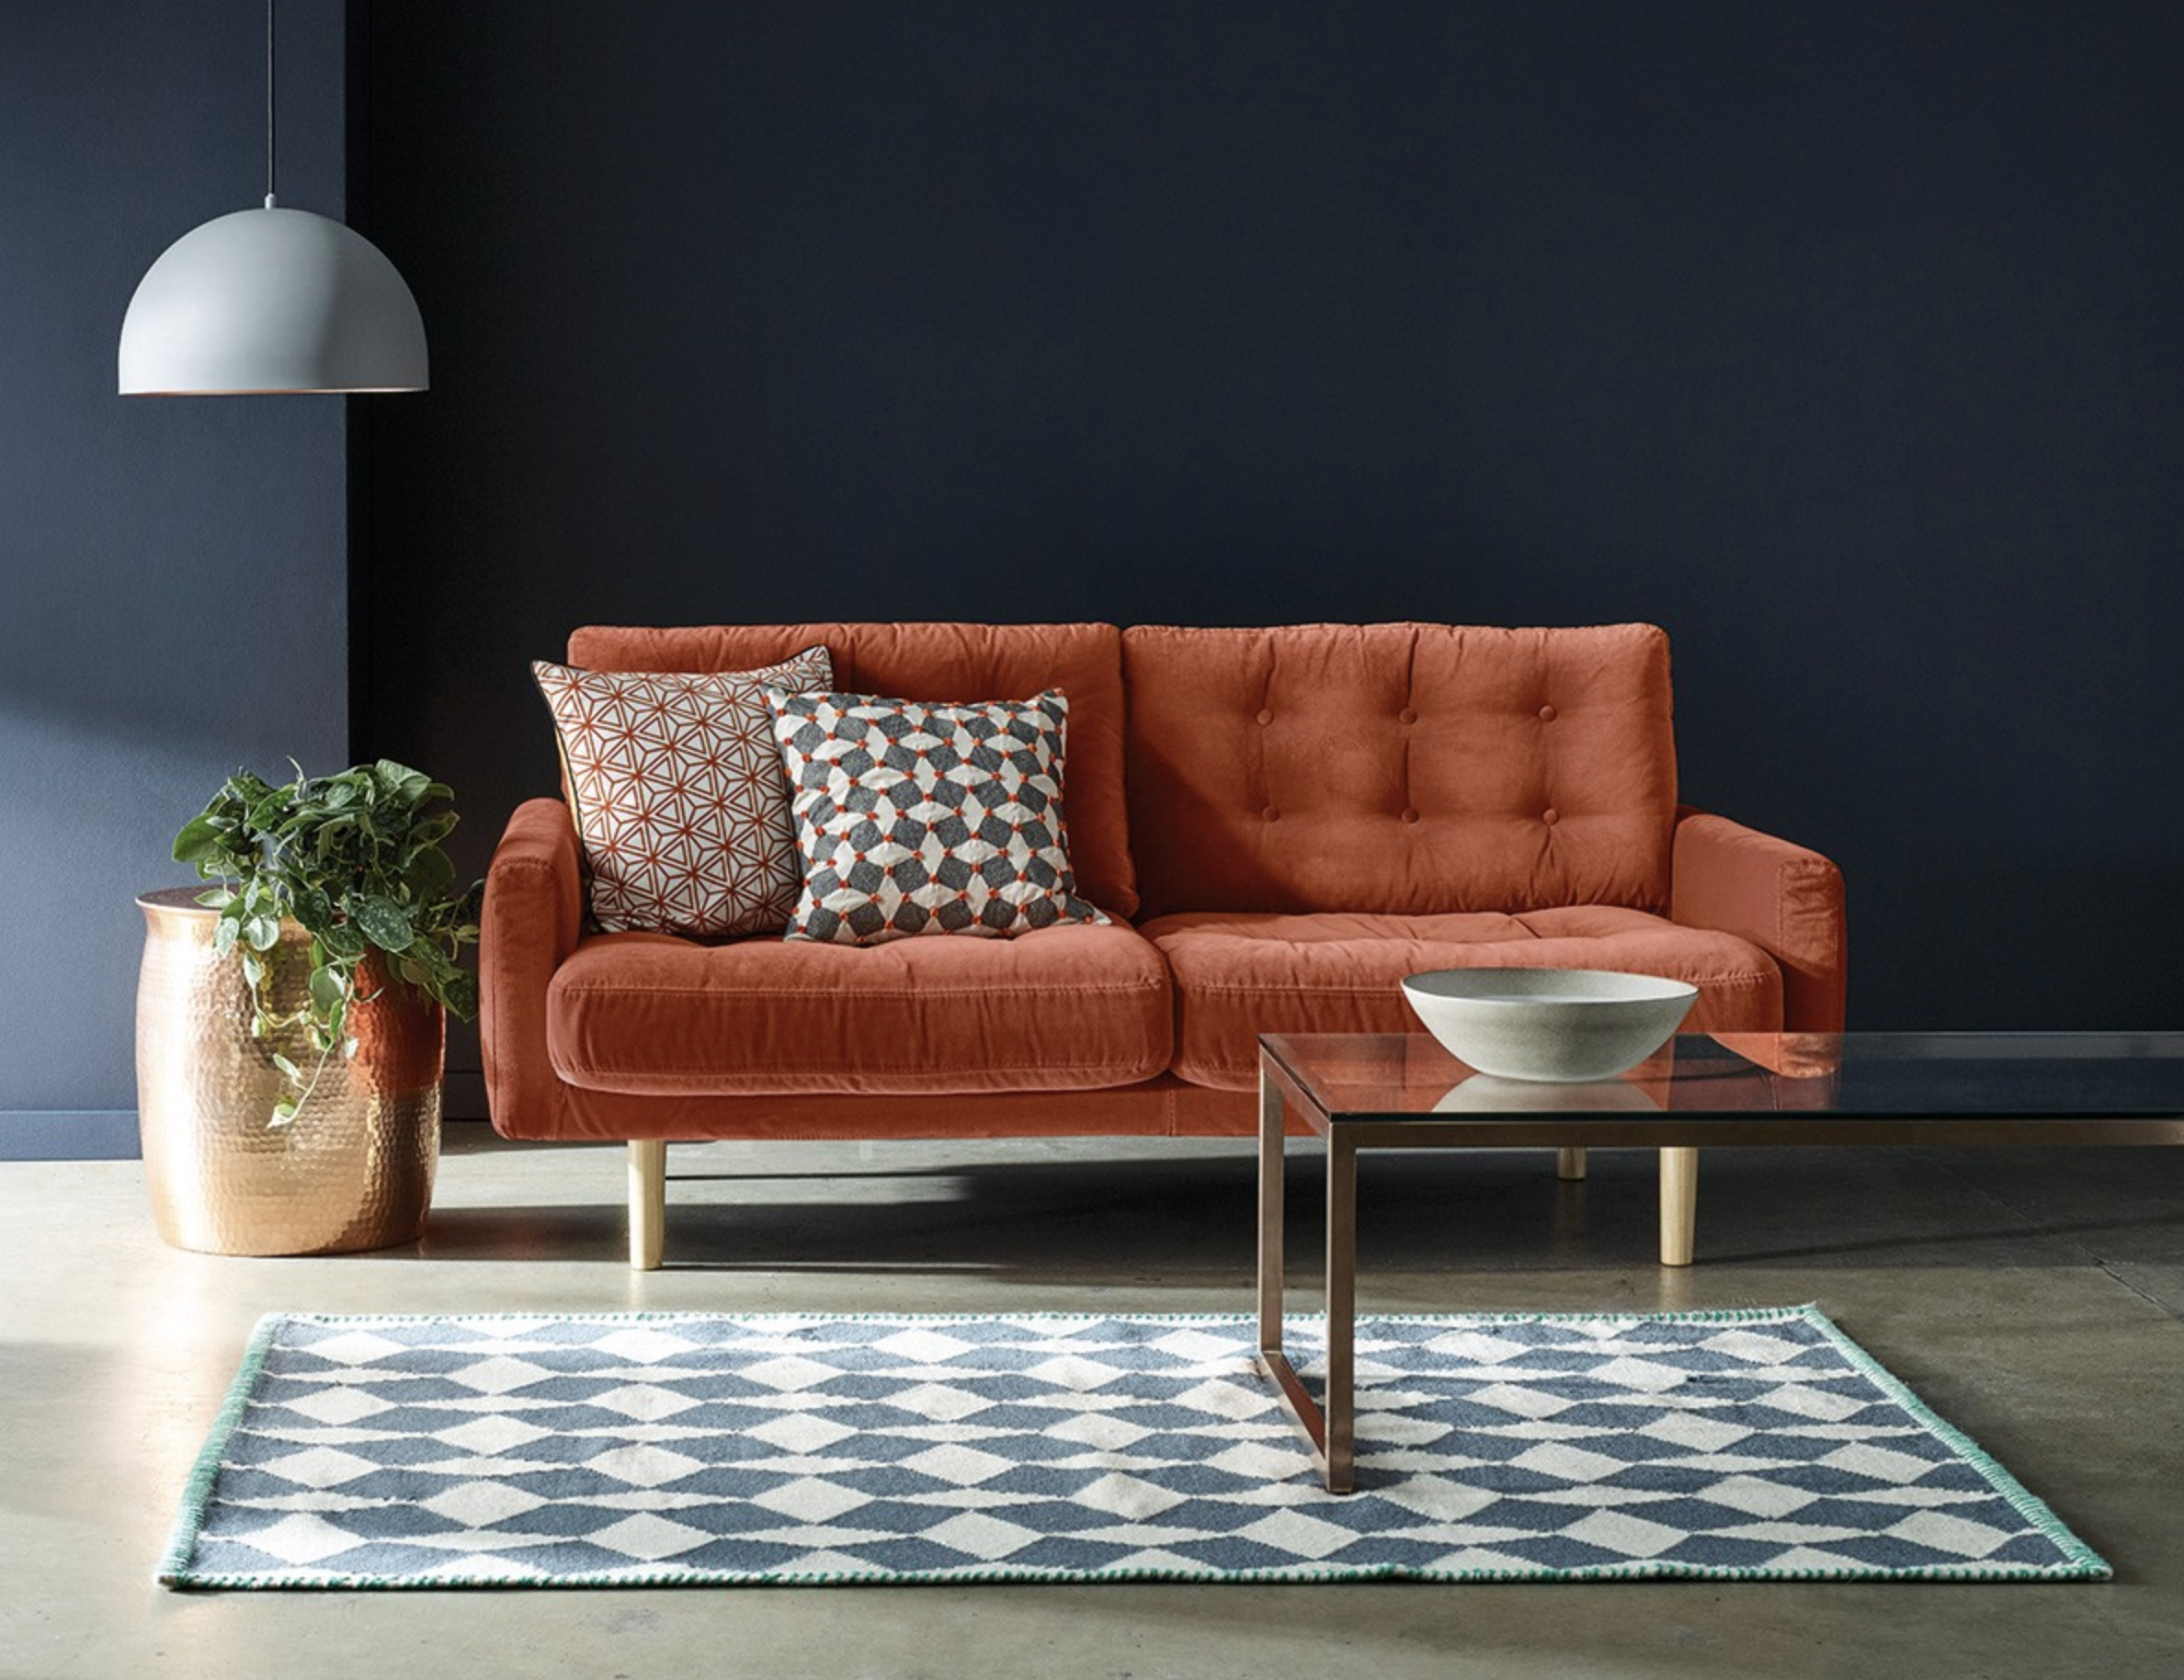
<point x="1237" y="974"/>
<point x="1071" y="1008"/>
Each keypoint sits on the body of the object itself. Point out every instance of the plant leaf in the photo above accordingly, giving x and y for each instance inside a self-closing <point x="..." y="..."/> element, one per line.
<point x="400" y="783"/>
<point x="460" y="992"/>
<point x="383" y="922"/>
<point x="261" y="931"/>
<point x="429" y="874"/>
<point x="313" y="908"/>
<point x="199" y="839"/>
<point x="264" y="815"/>
<point x="329" y="986"/>
<point x="431" y="831"/>
<point x="430" y="962"/>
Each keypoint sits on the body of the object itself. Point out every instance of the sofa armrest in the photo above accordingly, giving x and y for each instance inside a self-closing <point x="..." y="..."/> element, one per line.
<point x="533" y="915"/>
<point x="1785" y="899"/>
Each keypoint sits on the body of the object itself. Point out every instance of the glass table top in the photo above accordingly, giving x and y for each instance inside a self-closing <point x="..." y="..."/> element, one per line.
<point x="1932" y="1076"/>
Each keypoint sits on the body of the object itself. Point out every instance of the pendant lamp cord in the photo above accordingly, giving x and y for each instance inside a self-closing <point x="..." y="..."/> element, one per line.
<point x="269" y="104"/>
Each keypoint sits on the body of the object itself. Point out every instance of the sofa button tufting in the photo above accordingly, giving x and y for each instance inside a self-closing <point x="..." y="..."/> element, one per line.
<point x="1546" y="714"/>
<point x="1406" y="716"/>
<point x="1410" y="815"/>
<point x="1271" y="814"/>
<point x="1266" y="717"/>
<point x="1551" y="817"/>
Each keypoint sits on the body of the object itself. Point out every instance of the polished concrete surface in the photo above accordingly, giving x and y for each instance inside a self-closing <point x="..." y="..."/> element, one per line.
<point x="2035" y="1299"/>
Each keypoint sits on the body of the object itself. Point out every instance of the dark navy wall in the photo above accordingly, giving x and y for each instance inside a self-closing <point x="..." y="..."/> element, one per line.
<point x="171" y="598"/>
<point x="1843" y="340"/>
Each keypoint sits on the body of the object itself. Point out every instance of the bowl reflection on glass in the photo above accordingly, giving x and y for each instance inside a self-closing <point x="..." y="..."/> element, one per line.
<point x="1484" y="1094"/>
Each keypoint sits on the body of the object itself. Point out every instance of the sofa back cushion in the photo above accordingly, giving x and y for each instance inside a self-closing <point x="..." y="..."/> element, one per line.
<point x="946" y="663"/>
<point x="1399" y="769"/>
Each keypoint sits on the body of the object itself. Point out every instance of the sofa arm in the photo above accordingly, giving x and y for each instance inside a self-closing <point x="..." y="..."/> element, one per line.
<point x="1784" y="899"/>
<point x="533" y="915"/>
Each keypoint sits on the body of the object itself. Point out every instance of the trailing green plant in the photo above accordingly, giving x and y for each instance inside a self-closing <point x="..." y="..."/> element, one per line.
<point x="356" y="858"/>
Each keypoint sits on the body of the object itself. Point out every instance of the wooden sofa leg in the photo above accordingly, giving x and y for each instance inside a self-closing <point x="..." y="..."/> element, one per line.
<point x="648" y="1203"/>
<point x="1679" y="1205"/>
<point x="1569" y="1163"/>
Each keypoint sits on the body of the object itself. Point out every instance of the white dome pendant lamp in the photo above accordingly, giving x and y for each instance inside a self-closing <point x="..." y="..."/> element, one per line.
<point x="271" y="300"/>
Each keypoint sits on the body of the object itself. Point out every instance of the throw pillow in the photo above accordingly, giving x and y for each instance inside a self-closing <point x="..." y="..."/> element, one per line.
<point x="916" y="818"/>
<point x="677" y="788"/>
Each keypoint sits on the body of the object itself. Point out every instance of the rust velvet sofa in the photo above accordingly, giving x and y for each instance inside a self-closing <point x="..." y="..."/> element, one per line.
<point x="1281" y="823"/>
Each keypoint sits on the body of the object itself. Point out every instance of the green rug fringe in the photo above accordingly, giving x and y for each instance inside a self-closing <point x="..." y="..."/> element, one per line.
<point x="196" y="1493"/>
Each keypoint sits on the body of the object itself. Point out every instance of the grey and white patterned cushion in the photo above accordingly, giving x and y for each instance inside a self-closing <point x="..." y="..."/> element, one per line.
<point x="919" y="818"/>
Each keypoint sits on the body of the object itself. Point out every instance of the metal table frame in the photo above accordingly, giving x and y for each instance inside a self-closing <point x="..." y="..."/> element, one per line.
<point x="1329" y="1426"/>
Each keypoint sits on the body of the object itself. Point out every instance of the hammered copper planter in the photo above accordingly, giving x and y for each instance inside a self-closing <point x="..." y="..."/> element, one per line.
<point x="354" y="1169"/>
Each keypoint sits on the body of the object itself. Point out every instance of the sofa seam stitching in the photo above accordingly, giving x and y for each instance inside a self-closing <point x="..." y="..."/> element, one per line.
<point x="779" y="995"/>
<point x="580" y="1068"/>
<point x="1711" y="980"/>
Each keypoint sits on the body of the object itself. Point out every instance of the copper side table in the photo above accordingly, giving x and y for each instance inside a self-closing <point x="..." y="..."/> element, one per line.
<point x="1360" y="1091"/>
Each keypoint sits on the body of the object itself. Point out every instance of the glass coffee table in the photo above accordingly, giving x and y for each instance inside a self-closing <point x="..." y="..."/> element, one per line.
<point x="1362" y="1091"/>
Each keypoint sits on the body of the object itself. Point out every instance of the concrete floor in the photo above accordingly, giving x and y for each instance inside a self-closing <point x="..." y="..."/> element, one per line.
<point x="2034" y="1299"/>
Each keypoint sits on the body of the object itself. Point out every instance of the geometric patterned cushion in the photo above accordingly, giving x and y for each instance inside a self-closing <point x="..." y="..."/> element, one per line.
<point x="917" y="818"/>
<point x="676" y="789"/>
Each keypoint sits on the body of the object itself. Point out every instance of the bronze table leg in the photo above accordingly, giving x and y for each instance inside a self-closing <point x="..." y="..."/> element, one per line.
<point x="1338" y="1398"/>
<point x="1269" y="1218"/>
<point x="1329" y="1433"/>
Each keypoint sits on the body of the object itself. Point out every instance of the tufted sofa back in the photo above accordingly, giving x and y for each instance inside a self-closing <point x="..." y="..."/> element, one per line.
<point x="942" y="661"/>
<point x="1400" y="768"/>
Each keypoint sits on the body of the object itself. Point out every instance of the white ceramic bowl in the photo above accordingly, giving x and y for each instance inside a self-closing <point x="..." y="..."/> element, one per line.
<point x="1560" y="1026"/>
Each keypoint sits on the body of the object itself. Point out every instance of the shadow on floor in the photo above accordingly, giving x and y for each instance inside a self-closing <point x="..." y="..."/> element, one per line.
<point x="1082" y="1221"/>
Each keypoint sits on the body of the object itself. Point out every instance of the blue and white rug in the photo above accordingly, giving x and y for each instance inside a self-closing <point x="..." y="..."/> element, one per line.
<point x="813" y="1449"/>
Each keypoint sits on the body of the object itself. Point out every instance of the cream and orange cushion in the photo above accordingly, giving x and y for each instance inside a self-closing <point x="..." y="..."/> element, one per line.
<point x="678" y="795"/>
<point x="914" y="817"/>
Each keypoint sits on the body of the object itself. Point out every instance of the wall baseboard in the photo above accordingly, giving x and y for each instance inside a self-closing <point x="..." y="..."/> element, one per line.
<point x="68" y="1134"/>
<point x="110" y="1134"/>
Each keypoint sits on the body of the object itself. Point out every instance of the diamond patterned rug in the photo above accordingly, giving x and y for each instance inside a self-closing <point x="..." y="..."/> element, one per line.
<point x="816" y="1448"/>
